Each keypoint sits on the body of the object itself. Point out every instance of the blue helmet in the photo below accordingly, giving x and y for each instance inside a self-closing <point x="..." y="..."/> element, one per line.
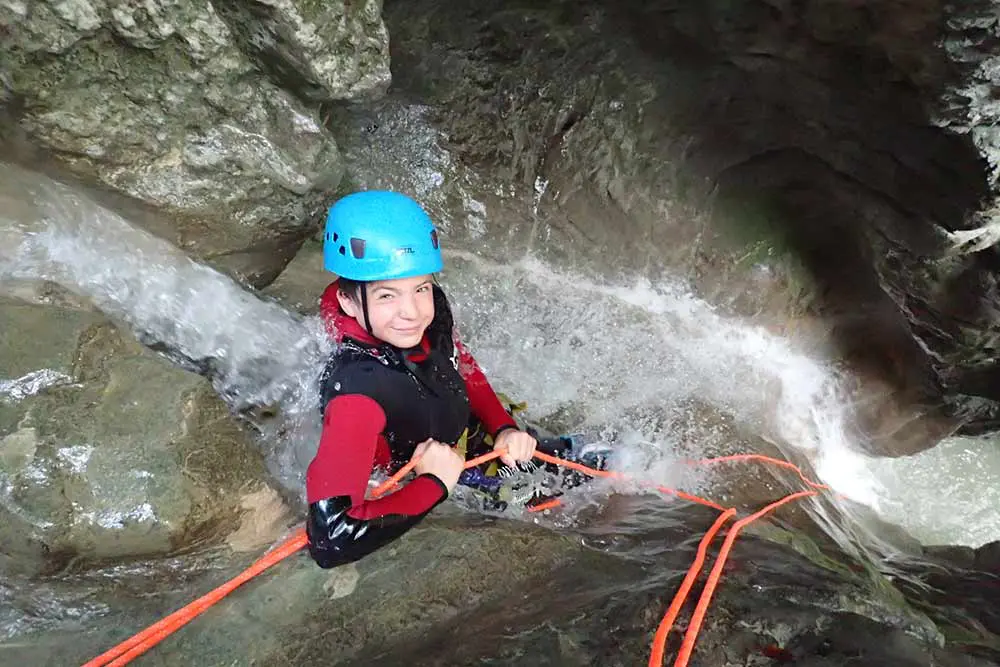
<point x="380" y="235"/>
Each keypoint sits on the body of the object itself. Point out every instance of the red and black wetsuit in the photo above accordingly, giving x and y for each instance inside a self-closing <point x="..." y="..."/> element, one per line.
<point x="378" y="403"/>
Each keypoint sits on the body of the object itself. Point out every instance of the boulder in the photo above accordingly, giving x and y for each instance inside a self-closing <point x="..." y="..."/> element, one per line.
<point x="108" y="451"/>
<point x="201" y="112"/>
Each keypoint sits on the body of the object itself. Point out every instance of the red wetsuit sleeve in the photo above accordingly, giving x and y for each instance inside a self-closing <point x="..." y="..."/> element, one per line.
<point x="482" y="399"/>
<point x="342" y="525"/>
<point x="345" y="459"/>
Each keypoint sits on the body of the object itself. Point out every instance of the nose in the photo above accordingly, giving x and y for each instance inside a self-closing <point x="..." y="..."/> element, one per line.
<point x="407" y="308"/>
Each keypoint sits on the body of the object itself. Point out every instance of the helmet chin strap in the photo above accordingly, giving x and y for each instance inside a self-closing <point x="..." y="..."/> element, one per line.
<point x="364" y="308"/>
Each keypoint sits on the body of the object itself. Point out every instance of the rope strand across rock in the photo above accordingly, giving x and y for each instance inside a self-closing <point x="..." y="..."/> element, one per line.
<point x="143" y="641"/>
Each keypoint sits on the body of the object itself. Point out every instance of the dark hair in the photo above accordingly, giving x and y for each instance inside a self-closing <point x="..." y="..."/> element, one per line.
<point x="350" y="287"/>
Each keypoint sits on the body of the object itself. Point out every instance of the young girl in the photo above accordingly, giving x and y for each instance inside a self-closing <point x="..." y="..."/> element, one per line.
<point x="399" y="385"/>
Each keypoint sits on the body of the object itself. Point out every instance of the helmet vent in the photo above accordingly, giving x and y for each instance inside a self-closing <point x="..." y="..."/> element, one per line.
<point x="434" y="238"/>
<point x="343" y="251"/>
<point x="358" y="248"/>
<point x="335" y="237"/>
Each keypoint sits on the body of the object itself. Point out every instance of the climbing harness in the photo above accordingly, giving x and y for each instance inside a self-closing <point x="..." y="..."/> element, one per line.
<point x="143" y="641"/>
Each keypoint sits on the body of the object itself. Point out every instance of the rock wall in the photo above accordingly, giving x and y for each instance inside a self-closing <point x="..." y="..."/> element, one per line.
<point x="204" y="112"/>
<point x="793" y="159"/>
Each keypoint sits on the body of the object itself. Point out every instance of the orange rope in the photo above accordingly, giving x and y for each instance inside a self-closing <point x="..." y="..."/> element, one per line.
<point x="713" y="578"/>
<point x="765" y="459"/>
<point x="660" y="638"/>
<point x="593" y="472"/>
<point x="141" y="642"/>
<point x="138" y="644"/>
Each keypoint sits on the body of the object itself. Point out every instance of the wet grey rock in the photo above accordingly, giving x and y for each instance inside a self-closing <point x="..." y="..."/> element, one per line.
<point x="301" y="283"/>
<point x="108" y="451"/>
<point x="301" y="614"/>
<point x="844" y="638"/>
<point x="773" y="607"/>
<point x="792" y="160"/>
<point x="200" y="110"/>
<point x="599" y="136"/>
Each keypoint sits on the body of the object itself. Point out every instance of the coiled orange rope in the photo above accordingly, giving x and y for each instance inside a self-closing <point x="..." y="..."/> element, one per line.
<point x="143" y="641"/>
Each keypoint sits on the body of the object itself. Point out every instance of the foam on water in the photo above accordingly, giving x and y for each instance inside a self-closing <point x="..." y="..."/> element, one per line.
<point x="255" y="352"/>
<point x="949" y="494"/>
<point x="613" y="348"/>
<point x="251" y="348"/>
<point x="631" y="358"/>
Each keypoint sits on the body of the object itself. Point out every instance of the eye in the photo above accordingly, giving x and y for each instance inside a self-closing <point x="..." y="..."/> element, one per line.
<point x="384" y="296"/>
<point x="423" y="288"/>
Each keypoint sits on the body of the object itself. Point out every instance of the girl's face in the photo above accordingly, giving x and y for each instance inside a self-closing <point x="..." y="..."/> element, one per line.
<point x="399" y="310"/>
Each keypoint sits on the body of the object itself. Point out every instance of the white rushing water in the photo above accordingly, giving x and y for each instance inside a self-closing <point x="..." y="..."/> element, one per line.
<point x="949" y="494"/>
<point x="643" y="360"/>
<point x="254" y="349"/>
